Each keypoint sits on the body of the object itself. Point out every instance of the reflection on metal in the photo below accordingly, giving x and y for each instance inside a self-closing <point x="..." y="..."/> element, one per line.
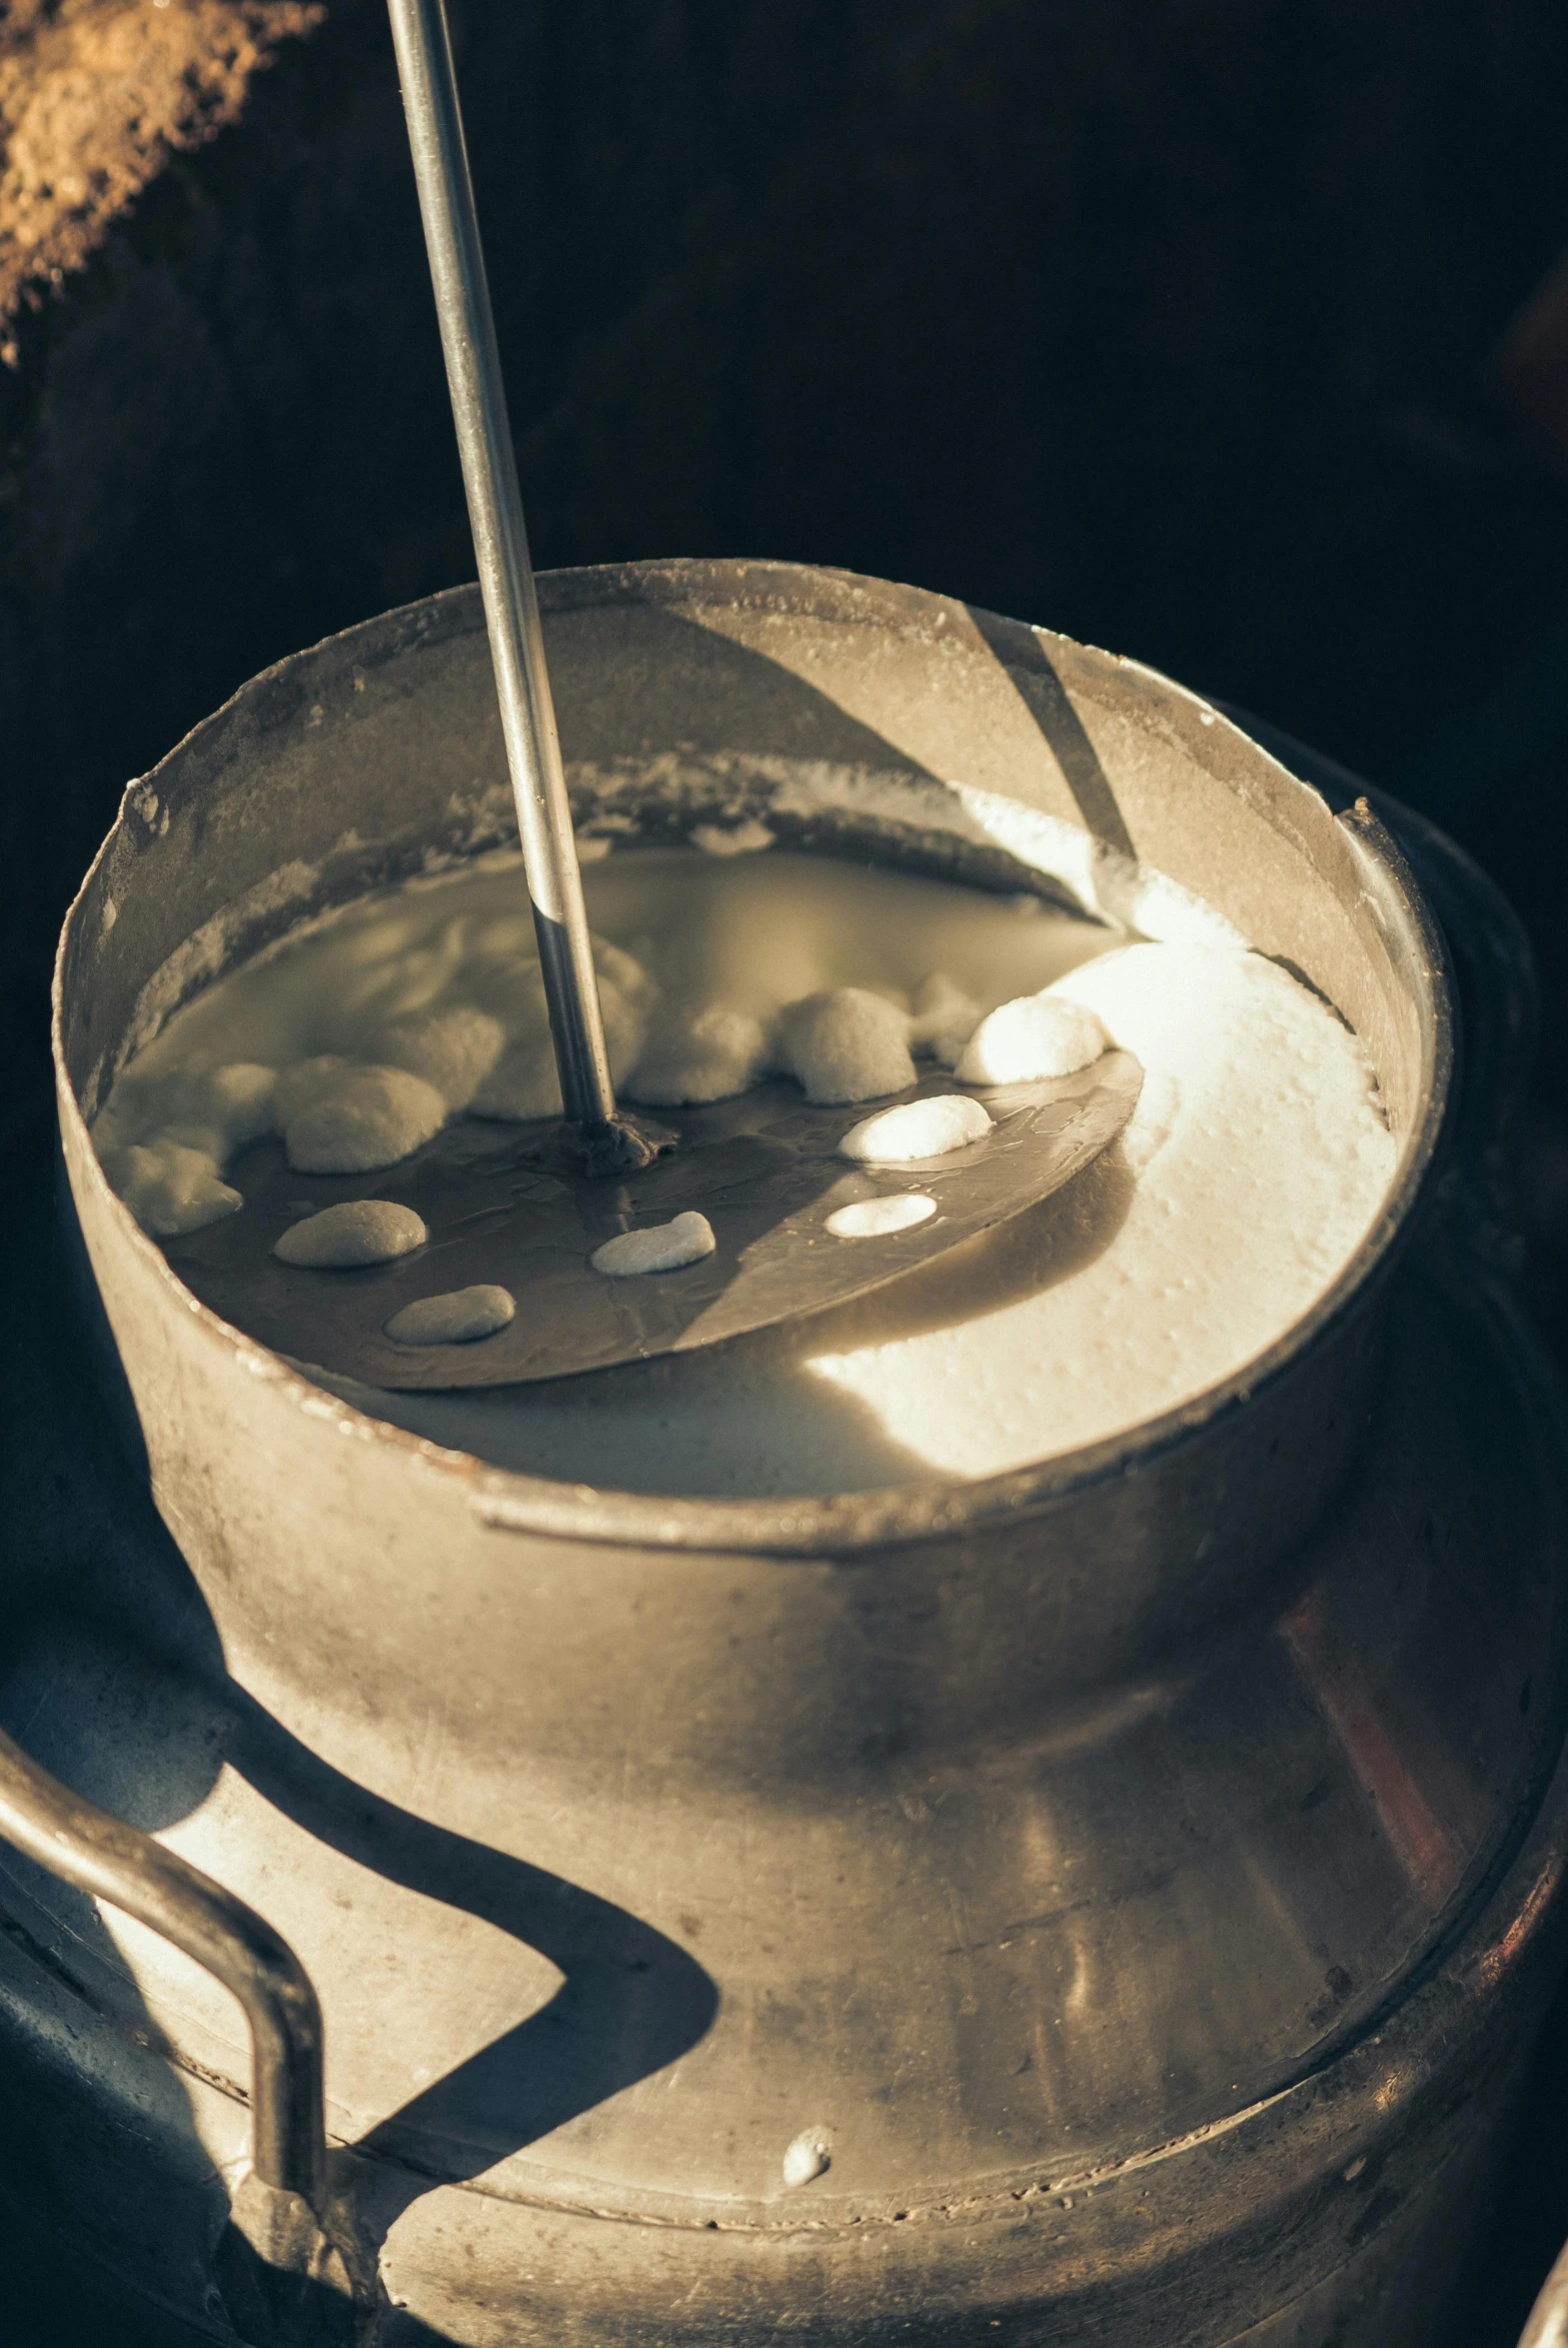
<point x="1534" y="1912"/>
<point x="1340" y="1682"/>
<point x="509" y="1204"/>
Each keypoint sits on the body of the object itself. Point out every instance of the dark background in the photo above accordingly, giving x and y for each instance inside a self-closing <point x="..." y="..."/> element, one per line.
<point x="1169" y="323"/>
<point x="1165" y="322"/>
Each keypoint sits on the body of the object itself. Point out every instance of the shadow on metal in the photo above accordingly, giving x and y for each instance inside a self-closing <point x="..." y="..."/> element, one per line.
<point x="296" y="2261"/>
<point x="632" y="2001"/>
<point x="1026" y="662"/>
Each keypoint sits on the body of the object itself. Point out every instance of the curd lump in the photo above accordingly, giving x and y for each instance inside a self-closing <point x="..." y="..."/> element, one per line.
<point x="663" y="1247"/>
<point x="916" y="1130"/>
<point x="1252" y="1166"/>
<point x="359" y="1231"/>
<point x="457" y="1317"/>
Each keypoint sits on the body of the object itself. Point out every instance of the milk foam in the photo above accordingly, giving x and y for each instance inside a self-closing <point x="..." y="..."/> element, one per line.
<point x="1252" y="1166"/>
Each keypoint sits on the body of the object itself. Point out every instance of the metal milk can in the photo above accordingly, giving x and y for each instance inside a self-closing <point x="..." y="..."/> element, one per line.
<point x="1110" y="1901"/>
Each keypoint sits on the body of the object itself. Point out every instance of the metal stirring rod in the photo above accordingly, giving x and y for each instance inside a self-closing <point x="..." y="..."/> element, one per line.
<point x="490" y="477"/>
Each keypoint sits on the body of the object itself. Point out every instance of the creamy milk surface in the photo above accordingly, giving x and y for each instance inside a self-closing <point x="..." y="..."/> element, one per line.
<point x="1253" y="1165"/>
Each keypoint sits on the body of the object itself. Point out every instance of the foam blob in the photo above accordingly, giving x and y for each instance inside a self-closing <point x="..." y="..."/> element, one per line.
<point x="170" y="1188"/>
<point x="664" y="1247"/>
<point x="242" y="1095"/>
<point x="211" y="1110"/>
<point x="847" y="1044"/>
<point x="869" y="1218"/>
<point x="916" y="1130"/>
<point x="358" y="1230"/>
<point x="454" y="1050"/>
<point x="458" y="1317"/>
<point x="299" y="1087"/>
<point x="945" y="1017"/>
<point x="522" y="1085"/>
<point x="363" y="1120"/>
<point x="524" y="1082"/>
<point x="806" y="2157"/>
<point x="1034" y="1037"/>
<point x="712" y="1057"/>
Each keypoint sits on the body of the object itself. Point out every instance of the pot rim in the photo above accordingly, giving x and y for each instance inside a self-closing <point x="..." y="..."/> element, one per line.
<point x="811" y="1525"/>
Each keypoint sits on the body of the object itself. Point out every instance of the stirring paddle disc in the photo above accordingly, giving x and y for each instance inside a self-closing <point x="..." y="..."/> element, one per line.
<point x="510" y="1205"/>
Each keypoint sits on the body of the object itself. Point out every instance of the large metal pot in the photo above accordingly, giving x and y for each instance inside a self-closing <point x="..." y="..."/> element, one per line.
<point x="1138" y="1874"/>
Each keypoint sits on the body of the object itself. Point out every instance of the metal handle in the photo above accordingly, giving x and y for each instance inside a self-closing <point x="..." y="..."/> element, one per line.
<point x="292" y="2266"/>
<point x="86" y="1848"/>
<point x="490" y="477"/>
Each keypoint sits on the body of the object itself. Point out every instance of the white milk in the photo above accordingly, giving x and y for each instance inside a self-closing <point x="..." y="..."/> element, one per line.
<point x="1252" y="1166"/>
